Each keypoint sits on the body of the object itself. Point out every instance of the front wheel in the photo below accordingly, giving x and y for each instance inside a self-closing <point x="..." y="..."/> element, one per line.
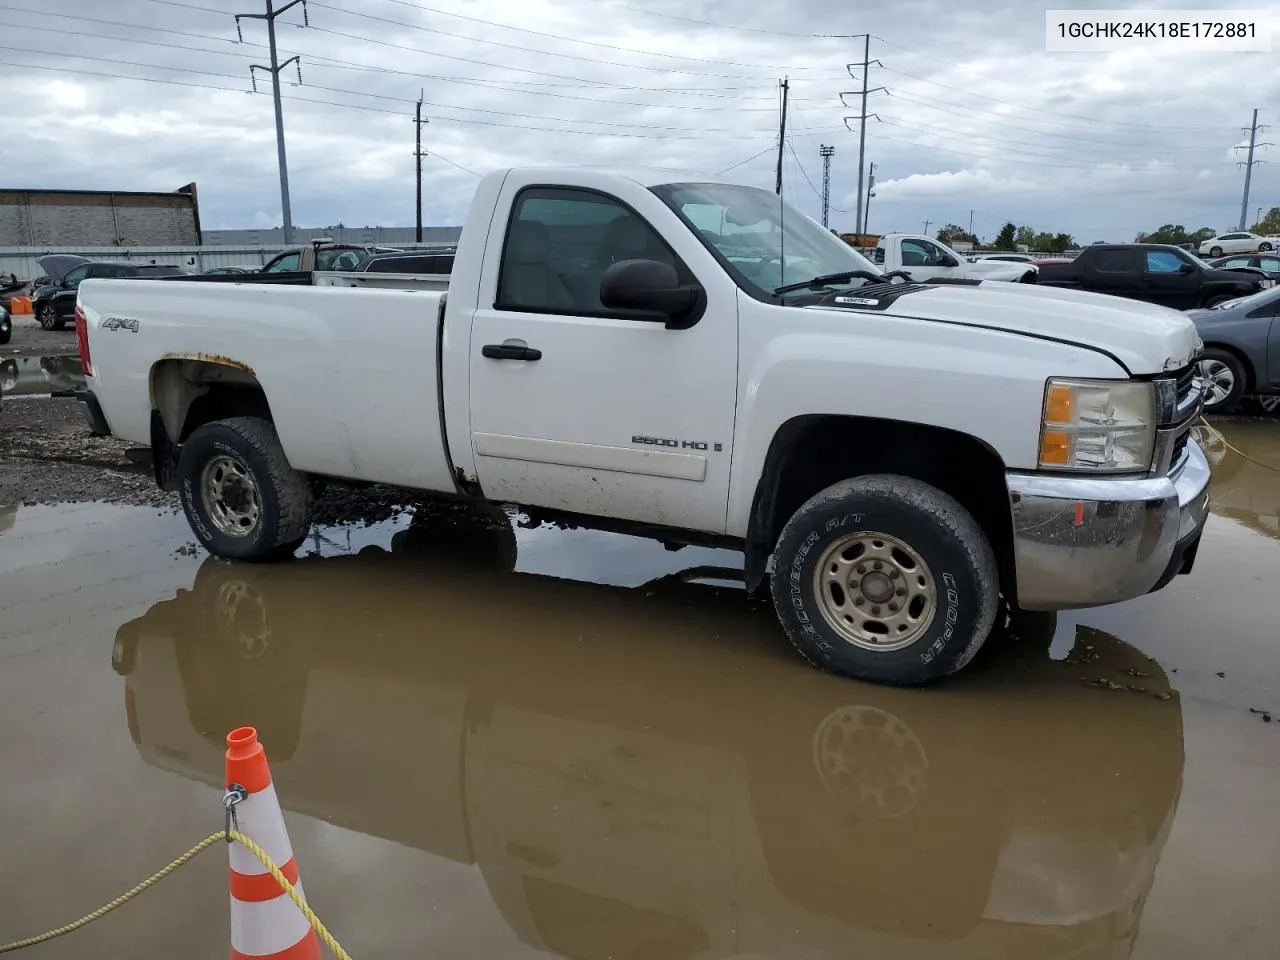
<point x="885" y="578"/>
<point x="239" y="493"/>
<point x="6" y="329"/>
<point x="1226" y="379"/>
<point x="48" y="317"/>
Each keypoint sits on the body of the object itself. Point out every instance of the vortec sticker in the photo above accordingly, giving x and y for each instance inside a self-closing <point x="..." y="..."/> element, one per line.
<point x="120" y="323"/>
<point x="860" y="301"/>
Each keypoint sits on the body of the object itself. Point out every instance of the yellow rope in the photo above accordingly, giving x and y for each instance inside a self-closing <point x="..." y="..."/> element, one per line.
<point x="173" y="865"/>
<point x="1234" y="449"/>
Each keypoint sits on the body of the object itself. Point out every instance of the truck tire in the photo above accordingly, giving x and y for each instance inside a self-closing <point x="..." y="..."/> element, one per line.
<point x="241" y="497"/>
<point x="916" y="608"/>
<point x="1227" y="380"/>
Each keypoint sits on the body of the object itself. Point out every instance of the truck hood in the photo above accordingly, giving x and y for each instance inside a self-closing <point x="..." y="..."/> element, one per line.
<point x="1145" y="338"/>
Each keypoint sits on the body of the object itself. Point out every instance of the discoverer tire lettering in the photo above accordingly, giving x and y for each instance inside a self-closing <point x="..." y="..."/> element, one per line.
<point x="956" y="556"/>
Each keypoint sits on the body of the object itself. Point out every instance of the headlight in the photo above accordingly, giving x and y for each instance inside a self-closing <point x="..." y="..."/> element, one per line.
<point x="1098" y="426"/>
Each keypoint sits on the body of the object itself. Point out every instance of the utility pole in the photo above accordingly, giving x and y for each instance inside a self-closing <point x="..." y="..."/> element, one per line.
<point x="971" y="233"/>
<point x="866" y="212"/>
<point x="418" y="155"/>
<point x="274" y="69"/>
<point x="926" y="227"/>
<point x="782" y="132"/>
<point x="1248" y="166"/>
<point x="826" y="152"/>
<point x="860" y="227"/>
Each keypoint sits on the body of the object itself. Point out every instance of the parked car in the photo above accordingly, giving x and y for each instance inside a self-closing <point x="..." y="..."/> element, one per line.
<point x="1266" y="264"/>
<point x="925" y="259"/>
<point x="1242" y="349"/>
<point x="322" y="254"/>
<point x="1004" y="257"/>
<point x="219" y="271"/>
<point x="599" y="360"/>
<point x="1238" y="242"/>
<point x="55" y="303"/>
<point x="6" y="324"/>
<point x="1156" y="273"/>
<point x="409" y="261"/>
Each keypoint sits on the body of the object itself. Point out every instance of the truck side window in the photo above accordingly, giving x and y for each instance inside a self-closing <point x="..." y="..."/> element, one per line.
<point x="915" y="254"/>
<point x="560" y="242"/>
<point x="1162" y="261"/>
<point x="1113" y="261"/>
<point x="283" y="264"/>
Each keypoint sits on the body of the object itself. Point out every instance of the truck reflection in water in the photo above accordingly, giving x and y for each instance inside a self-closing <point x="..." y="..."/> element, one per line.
<point x="647" y="773"/>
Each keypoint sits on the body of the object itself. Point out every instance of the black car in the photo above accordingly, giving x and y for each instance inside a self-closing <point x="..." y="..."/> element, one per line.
<point x="409" y="261"/>
<point x="1155" y="273"/>
<point x="54" y="303"/>
<point x="1268" y="263"/>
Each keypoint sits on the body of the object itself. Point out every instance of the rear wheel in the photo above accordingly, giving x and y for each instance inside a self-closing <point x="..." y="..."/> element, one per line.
<point x="1215" y="251"/>
<point x="885" y="578"/>
<point x="240" y="495"/>
<point x="1226" y="377"/>
<point x="1264" y="248"/>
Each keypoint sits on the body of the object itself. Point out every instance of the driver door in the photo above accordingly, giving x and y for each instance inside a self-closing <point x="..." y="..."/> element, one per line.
<point x="923" y="260"/>
<point x="584" y="409"/>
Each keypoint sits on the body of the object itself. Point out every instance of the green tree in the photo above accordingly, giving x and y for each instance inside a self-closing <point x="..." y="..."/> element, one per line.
<point x="1026" y="236"/>
<point x="952" y="233"/>
<point x="1007" y="237"/>
<point x="1061" y="243"/>
<point x="1268" y="224"/>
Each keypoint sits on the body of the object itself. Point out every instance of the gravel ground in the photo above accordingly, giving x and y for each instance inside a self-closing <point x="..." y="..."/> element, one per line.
<point x="29" y="340"/>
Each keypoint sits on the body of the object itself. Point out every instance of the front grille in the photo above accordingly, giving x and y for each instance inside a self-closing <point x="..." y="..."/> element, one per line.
<point x="1186" y="383"/>
<point x="1179" y="447"/>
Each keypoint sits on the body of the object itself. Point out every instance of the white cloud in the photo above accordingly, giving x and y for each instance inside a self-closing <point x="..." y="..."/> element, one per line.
<point x="1099" y="145"/>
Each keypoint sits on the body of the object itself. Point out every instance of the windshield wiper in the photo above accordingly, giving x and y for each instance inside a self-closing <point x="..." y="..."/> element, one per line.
<point x="827" y="279"/>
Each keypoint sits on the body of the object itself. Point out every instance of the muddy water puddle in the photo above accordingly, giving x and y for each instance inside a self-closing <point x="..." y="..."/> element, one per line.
<point x="40" y="376"/>
<point x="497" y="742"/>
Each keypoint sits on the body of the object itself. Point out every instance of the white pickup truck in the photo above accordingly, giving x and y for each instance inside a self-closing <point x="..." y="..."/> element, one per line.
<point x="925" y="259"/>
<point x="698" y="362"/>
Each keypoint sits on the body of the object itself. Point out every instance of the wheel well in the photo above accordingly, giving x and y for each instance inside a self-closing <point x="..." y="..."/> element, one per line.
<point x="190" y="393"/>
<point x="810" y="453"/>
<point x="1028" y="277"/>
<point x="1250" y="378"/>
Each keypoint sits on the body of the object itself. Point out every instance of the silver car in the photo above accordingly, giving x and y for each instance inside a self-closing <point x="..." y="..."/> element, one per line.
<point x="1242" y="350"/>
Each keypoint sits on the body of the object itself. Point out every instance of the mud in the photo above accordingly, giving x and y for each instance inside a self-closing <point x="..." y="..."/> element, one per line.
<point x="500" y="742"/>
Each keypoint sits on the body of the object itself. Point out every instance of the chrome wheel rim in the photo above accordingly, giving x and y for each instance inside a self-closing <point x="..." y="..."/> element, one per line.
<point x="1220" y="379"/>
<point x="875" y="591"/>
<point x="231" y="496"/>
<point x="48" y="316"/>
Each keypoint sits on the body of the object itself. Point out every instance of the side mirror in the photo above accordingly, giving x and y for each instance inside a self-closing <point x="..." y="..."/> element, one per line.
<point x="652" y="287"/>
<point x="949" y="261"/>
<point x="1187" y="268"/>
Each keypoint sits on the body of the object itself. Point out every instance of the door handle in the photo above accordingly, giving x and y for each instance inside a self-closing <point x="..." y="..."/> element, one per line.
<point x="510" y="351"/>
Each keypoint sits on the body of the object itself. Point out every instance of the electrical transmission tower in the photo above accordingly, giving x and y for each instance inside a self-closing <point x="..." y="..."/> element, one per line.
<point x="1248" y="165"/>
<point x="826" y="153"/>
<point x="860" y="225"/>
<point x="274" y="69"/>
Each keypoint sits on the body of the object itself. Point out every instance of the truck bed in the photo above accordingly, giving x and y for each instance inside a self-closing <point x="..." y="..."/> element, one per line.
<point x="352" y="376"/>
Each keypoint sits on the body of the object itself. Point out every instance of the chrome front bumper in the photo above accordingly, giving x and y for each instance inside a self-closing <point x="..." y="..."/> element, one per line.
<point x="1084" y="542"/>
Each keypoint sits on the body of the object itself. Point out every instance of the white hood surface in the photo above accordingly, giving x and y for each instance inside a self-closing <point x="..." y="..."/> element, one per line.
<point x="1146" y="338"/>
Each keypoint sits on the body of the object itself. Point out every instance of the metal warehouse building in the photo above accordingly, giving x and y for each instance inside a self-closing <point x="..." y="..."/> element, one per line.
<point x="99" y="218"/>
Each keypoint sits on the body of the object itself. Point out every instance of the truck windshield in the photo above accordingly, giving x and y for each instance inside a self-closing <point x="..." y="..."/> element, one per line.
<point x="763" y="241"/>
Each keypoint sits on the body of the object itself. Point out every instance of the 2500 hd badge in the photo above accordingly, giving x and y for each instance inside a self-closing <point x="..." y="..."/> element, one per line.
<point x="677" y="443"/>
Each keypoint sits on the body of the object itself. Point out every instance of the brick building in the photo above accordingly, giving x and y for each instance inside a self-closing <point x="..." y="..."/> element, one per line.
<point x="99" y="218"/>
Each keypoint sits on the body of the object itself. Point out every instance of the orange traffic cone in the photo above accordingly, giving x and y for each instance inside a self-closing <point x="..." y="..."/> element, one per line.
<point x="264" y="921"/>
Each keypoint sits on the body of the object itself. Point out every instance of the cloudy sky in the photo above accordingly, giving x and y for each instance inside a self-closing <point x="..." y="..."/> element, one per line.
<point x="976" y="116"/>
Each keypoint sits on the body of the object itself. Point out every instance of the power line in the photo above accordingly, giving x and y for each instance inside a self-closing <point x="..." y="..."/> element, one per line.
<point x="555" y="36"/>
<point x="724" y="26"/>
<point x="1092" y="121"/>
<point x="742" y="163"/>
<point x="365" y="15"/>
<point x="453" y="163"/>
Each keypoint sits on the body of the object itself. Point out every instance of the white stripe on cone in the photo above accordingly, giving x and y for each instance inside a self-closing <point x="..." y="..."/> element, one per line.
<point x="260" y="819"/>
<point x="262" y="929"/>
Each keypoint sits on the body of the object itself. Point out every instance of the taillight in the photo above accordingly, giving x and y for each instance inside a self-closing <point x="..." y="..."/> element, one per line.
<point x="82" y="341"/>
